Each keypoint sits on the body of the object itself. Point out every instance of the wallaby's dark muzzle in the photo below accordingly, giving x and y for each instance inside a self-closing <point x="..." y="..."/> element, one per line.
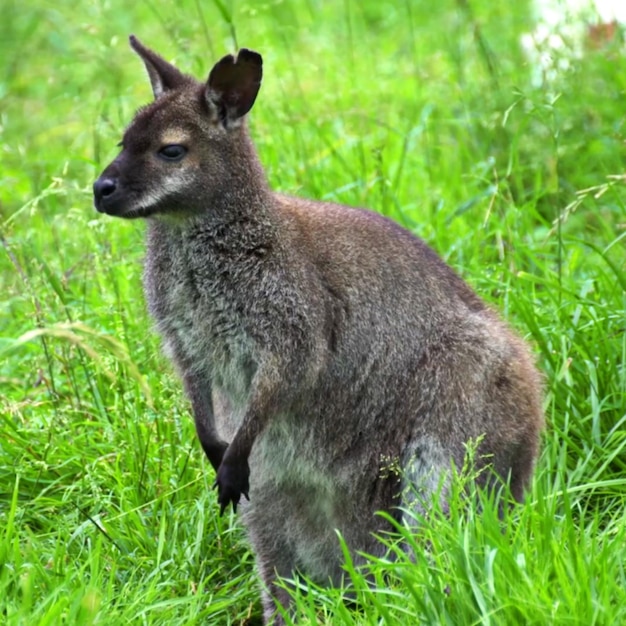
<point x="103" y="191"/>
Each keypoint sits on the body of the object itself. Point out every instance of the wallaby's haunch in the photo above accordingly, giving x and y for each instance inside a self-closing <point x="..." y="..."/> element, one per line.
<point x="319" y="344"/>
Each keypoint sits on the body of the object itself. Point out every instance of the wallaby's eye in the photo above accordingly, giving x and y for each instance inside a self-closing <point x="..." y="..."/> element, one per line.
<point x="172" y="152"/>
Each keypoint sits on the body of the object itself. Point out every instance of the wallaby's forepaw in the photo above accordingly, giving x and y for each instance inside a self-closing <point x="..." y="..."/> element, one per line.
<point x="232" y="483"/>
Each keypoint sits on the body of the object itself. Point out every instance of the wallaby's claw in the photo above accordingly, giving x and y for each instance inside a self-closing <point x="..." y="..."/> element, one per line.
<point x="231" y="483"/>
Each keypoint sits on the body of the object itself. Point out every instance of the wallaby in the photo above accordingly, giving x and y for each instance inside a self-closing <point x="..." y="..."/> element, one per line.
<point x="320" y="345"/>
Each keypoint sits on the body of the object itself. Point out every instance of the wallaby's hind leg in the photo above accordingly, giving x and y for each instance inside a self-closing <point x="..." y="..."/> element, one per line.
<point x="289" y="533"/>
<point x="275" y="557"/>
<point x="516" y="466"/>
<point x="270" y="597"/>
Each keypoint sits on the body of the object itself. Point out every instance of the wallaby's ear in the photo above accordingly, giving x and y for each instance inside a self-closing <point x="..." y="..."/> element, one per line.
<point x="163" y="75"/>
<point x="233" y="85"/>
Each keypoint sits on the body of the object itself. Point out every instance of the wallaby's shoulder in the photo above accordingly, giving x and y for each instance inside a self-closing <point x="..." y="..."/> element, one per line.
<point x="331" y="214"/>
<point x="369" y="231"/>
<point x="362" y="241"/>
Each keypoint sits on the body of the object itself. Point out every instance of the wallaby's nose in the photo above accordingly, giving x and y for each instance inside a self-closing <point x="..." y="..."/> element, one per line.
<point x="103" y="188"/>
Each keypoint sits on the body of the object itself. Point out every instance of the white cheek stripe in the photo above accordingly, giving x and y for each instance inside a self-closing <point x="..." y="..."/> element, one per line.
<point x="150" y="198"/>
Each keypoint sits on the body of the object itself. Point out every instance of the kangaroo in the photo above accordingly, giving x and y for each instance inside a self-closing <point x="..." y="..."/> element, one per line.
<point x="319" y="345"/>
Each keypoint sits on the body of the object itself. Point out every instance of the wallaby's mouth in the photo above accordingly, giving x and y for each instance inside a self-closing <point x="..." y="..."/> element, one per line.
<point x="103" y="207"/>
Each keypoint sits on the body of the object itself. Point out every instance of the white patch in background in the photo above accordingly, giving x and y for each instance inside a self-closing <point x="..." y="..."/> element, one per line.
<point x="565" y="29"/>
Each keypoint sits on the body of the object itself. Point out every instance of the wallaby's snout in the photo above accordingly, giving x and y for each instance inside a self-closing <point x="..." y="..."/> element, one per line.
<point x="104" y="193"/>
<point x="109" y="190"/>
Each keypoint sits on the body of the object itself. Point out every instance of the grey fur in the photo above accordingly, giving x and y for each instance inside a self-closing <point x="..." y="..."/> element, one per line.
<point x="321" y="341"/>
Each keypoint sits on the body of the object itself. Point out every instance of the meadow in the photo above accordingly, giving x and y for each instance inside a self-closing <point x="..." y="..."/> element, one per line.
<point x="429" y="113"/>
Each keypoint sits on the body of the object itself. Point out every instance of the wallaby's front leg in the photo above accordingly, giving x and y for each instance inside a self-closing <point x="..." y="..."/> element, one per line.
<point x="233" y="474"/>
<point x="198" y="390"/>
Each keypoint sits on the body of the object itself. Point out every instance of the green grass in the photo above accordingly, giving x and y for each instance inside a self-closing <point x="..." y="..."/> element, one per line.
<point x="423" y="111"/>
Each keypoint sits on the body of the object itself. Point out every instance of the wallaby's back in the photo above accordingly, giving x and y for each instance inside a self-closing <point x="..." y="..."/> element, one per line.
<point x="346" y="365"/>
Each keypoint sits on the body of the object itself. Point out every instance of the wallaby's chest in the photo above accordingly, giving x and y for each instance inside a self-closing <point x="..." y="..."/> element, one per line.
<point x="200" y="321"/>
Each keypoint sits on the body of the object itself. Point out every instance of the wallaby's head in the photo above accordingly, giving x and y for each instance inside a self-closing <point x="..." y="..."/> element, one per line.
<point x="184" y="149"/>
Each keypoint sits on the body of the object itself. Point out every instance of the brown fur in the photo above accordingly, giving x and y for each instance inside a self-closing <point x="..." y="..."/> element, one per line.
<point x="319" y="344"/>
